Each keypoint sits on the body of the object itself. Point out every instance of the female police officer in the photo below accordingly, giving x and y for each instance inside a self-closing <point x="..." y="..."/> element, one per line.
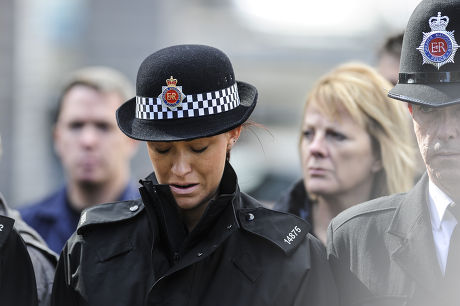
<point x="193" y="238"/>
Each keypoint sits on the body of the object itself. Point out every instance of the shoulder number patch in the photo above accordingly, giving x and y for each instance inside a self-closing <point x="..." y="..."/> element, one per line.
<point x="292" y="235"/>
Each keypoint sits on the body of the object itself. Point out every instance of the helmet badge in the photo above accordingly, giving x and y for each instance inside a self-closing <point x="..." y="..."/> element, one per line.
<point x="438" y="47"/>
<point x="171" y="95"/>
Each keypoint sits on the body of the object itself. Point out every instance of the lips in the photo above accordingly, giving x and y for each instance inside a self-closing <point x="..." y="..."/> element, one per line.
<point x="314" y="171"/>
<point x="183" y="188"/>
<point x="445" y="155"/>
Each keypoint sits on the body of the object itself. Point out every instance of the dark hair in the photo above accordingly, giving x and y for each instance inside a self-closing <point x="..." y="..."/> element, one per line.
<point x="392" y="46"/>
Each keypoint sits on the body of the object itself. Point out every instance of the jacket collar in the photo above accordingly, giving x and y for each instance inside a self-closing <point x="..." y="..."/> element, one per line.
<point x="161" y="205"/>
<point x="410" y="237"/>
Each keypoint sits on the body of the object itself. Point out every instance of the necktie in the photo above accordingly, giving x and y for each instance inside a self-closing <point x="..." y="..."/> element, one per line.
<point x="452" y="275"/>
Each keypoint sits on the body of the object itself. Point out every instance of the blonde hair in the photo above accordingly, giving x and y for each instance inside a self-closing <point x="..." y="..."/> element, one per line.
<point x="362" y="92"/>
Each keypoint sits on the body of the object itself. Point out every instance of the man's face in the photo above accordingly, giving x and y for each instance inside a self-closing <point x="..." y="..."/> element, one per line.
<point x="438" y="137"/>
<point x="91" y="147"/>
<point x="388" y="66"/>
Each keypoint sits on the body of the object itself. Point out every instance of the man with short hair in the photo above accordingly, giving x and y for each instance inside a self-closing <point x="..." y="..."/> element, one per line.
<point x="95" y="155"/>
<point x="404" y="249"/>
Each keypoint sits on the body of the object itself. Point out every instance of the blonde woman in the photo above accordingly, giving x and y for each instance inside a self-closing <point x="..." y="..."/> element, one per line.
<point x="355" y="145"/>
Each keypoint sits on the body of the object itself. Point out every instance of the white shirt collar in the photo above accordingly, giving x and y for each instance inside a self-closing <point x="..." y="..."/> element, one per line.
<point x="439" y="201"/>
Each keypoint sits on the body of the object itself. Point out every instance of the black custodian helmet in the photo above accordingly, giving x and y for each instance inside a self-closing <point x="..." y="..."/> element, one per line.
<point x="429" y="72"/>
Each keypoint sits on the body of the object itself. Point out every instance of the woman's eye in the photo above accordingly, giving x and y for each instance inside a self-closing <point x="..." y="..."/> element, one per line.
<point x="200" y="150"/>
<point x="336" y="135"/>
<point x="308" y="134"/>
<point x="162" y="151"/>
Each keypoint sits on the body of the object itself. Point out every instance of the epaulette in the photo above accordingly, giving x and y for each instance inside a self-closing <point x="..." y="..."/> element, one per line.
<point x="6" y="226"/>
<point x="284" y="230"/>
<point x="109" y="213"/>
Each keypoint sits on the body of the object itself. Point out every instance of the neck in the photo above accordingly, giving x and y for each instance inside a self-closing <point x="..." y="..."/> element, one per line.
<point x="86" y="194"/>
<point x="329" y="206"/>
<point x="447" y="184"/>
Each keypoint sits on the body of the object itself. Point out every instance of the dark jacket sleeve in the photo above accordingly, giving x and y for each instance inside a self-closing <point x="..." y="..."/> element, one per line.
<point x="63" y="294"/>
<point x="17" y="280"/>
<point x="318" y="287"/>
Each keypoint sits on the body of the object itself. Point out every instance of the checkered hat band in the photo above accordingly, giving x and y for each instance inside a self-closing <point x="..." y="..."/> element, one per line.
<point x="192" y="106"/>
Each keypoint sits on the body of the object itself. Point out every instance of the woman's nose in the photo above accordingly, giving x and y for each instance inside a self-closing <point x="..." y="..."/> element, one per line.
<point x="181" y="165"/>
<point x="318" y="146"/>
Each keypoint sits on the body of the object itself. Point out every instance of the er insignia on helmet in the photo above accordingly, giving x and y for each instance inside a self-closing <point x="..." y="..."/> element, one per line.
<point x="172" y="95"/>
<point x="438" y="47"/>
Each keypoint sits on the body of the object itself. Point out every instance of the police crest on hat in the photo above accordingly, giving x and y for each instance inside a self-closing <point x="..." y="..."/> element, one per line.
<point x="438" y="47"/>
<point x="171" y="95"/>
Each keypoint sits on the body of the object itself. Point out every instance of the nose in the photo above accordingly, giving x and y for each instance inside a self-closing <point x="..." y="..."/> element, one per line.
<point x="181" y="165"/>
<point x="448" y="125"/>
<point x="88" y="137"/>
<point x="318" y="146"/>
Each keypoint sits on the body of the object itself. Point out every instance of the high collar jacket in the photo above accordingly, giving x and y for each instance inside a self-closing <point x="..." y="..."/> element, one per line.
<point x="382" y="252"/>
<point x="239" y="253"/>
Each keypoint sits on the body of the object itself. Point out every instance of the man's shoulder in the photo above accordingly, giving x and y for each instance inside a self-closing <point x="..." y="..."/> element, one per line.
<point x="109" y="213"/>
<point x="376" y="211"/>
<point x="47" y="206"/>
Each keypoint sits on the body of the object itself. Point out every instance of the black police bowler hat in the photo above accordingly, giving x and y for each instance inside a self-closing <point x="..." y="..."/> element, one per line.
<point x="185" y="92"/>
<point x="429" y="72"/>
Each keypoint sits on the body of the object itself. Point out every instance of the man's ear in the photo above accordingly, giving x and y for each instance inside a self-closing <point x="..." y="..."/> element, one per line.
<point x="409" y="106"/>
<point x="56" y="139"/>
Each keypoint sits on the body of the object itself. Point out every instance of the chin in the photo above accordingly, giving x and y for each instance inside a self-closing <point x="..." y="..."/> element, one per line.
<point x="319" y="188"/>
<point x="89" y="181"/>
<point x="187" y="204"/>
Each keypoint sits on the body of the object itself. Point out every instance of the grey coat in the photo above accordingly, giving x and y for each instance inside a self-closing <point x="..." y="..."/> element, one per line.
<point x="43" y="259"/>
<point x="382" y="252"/>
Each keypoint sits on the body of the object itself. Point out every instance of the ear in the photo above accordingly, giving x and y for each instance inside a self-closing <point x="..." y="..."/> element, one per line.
<point x="376" y="166"/>
<point x="409" y="106"/>
<point x="56" y="142"/>
<point x="233" y="136"/>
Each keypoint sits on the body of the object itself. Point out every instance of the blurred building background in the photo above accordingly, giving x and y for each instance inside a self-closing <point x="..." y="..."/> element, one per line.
<point x="281" y="47"/>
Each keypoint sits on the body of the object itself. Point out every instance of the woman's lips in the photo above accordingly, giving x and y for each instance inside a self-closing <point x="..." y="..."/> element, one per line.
<point x="316" y="171"/>
<point x="183" y="188"/>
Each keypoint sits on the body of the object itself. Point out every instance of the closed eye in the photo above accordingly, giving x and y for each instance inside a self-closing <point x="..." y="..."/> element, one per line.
<point x="162" y="151"/>
<point x="336" y="135"/>
<point x="199" y="150"/>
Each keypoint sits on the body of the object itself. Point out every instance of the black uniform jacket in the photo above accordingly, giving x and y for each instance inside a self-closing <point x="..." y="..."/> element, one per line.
<point x="382" y="252"/>
<point x="139" y="253"/>
<point x="17" y="280"/>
